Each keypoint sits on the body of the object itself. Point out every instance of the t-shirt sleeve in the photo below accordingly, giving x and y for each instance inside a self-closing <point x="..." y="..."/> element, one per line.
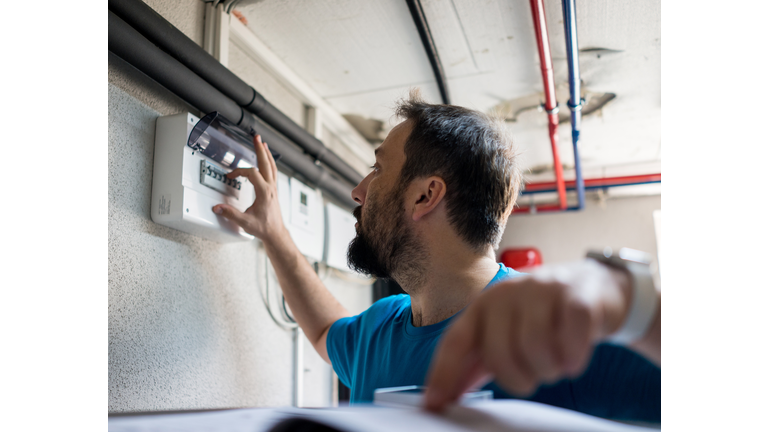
<point x="348" y="337"/>
<point x="340" y="344"/>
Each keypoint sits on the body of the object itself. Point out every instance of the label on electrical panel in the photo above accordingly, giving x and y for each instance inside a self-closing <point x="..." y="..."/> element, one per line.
<point x="164" y="204"/>
<point x="216" y="178"/>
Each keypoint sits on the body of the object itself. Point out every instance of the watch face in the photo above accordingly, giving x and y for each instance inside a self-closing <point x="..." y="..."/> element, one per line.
<point x="625" y="254"/>
<point x="635" y="256"/>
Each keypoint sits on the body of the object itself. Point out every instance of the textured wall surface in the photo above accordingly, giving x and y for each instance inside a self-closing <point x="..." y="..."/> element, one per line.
<point x="562" y="237"/>
<point x="187" y="326"/>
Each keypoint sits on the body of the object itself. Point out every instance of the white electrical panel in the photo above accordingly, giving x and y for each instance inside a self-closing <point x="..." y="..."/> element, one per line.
<point x="302" y="210"/>
<point x="186" y="184"/>
<point x="340" y="232"/>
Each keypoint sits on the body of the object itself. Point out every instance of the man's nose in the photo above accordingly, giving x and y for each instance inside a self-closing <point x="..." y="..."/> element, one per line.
<point x="359" y="192"/>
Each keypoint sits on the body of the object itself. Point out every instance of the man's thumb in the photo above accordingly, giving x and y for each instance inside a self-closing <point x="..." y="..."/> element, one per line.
<point x="230" y="213"/>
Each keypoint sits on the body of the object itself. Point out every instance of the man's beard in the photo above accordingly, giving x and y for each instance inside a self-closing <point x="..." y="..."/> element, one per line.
<point x="385" y="246"/>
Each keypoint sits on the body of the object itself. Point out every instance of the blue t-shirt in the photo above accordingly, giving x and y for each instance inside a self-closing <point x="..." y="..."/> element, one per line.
<point x="382" y="348"/>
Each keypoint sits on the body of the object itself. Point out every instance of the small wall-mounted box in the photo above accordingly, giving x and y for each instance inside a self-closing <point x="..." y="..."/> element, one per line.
<point x="302" y="210"/>
<point x="189" y="178"/>
<point x="340" y="231"/>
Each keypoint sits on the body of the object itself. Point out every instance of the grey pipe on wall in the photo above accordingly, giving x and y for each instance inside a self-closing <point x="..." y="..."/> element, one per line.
<point x="128" y="44"/>
<point x="171" y="40"/>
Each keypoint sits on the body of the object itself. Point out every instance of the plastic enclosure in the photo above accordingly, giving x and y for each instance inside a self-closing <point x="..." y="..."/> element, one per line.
<point x="186" y="183"/>
<point x="340" y="230"/>
<point x="303" y="215"/>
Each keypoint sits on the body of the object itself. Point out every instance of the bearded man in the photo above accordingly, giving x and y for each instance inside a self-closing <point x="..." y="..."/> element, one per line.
<point x="432" y="212"/>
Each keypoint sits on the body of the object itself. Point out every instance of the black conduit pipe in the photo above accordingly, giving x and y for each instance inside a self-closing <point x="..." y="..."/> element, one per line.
<point x="417" y="13"/>
<point x="128" y="44"/>
<point x="171" y="40"/>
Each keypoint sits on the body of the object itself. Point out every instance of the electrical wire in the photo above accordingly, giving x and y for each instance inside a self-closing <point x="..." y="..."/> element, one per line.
<point x="326" y="271"/>
<point x="285" y="310"/>
<point x="284" y="324"/>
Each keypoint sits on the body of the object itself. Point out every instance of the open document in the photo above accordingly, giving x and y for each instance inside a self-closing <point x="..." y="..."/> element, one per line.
<point x="489" y="416"/>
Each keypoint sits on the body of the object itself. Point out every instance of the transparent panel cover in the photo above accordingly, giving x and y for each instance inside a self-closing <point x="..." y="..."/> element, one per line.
<point x="222" y="141"/>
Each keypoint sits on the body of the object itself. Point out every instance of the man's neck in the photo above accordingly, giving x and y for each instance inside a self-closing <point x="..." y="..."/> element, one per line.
<point x="449" y="286"/>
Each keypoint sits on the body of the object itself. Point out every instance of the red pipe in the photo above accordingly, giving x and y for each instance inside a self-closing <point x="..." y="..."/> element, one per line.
<point x="588" y="183"/>
<point x="595" y="182"/>
<point x="539" y="209"/>
<point x="545" y="56"/>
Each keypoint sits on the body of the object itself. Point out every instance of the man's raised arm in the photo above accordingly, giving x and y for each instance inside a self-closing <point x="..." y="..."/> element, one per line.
<point x="313" y="306"/>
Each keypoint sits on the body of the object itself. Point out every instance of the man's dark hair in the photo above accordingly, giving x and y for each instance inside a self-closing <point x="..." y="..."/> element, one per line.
<point x="473" y="153"/>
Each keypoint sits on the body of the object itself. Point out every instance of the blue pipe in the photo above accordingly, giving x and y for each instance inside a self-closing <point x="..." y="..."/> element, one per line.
<point x="575" y="103"/>
<point x="588" y="187"/>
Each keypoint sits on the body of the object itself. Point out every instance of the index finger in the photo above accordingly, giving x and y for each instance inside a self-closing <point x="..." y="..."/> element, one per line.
<point x="271" y="158"/>
<point x="251" y="174"/>
<point x="262" y="159"/>
<point x="456" y="365"/>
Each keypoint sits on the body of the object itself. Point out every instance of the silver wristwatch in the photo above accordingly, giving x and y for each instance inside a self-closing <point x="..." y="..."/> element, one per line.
<point x="642" y="308"/>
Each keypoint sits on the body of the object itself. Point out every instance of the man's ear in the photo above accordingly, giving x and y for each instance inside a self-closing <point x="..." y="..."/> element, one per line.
<point x="429" y="194"/>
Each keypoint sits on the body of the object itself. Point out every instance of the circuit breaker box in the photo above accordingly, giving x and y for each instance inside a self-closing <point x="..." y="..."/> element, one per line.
<point x="189" y="177"/>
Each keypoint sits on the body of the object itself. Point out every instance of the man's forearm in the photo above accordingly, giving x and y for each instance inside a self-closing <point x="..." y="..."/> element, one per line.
<point x="313" y="306"/>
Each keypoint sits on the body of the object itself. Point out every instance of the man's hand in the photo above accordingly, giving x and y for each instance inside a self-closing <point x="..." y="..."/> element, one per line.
<point x="263" y="218"/>
<point x="529" y="330"/>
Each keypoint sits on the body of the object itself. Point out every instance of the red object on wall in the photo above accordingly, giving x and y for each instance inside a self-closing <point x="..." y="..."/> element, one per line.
<point x="521" y="258"/>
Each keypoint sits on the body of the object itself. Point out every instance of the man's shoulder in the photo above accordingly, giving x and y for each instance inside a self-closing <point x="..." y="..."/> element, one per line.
<point x="390" y="306"/>
<point x="382" y="311"/>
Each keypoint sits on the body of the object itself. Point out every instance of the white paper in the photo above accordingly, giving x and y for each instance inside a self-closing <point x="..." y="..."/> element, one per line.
<point x="487" y="416"/>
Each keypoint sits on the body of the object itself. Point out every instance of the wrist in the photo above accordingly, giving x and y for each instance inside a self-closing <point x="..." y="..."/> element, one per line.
<point x="617" y="303"/>
<point x="638" y="293"/>
<point x="277" y="236"/>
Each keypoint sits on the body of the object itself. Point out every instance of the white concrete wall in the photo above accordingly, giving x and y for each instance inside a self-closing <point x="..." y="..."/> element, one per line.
<point x="563" y="237"/>
<point x="187" y="328"/>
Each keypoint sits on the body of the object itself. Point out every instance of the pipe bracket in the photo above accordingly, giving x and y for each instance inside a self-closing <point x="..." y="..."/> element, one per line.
<point x="553" y="111"/>
<point x="253" y="98"/>
<point x="578" y="107"/>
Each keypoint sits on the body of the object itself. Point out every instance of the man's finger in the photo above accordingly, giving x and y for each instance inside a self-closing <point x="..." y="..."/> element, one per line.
<point x="538" y="337"/>
<point x="452" y="363"/>
<point x="574" y="336"/>
<point x="262" y="159"/>
<point x="232" y="214"/>
<point x="502" y="354"/>
<point x="272" y="162"/>
<point x="252" y="175"/>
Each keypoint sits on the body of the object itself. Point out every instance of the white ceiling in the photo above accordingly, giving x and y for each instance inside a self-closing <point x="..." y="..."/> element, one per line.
<point x="361" y="56"/>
